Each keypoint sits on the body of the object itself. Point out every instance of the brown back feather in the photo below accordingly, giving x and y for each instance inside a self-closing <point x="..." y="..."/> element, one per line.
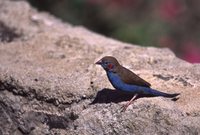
<point x="131" y="78"/>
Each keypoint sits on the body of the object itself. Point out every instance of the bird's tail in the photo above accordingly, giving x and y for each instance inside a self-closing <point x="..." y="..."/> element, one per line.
<point x="163" y="94"/>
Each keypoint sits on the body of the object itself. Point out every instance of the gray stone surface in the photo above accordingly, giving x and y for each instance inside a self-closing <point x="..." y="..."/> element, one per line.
<point x="48" y="81"/>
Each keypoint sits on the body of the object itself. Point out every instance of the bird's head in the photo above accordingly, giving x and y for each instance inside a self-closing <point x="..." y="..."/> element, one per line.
<point x="108" y="63"/>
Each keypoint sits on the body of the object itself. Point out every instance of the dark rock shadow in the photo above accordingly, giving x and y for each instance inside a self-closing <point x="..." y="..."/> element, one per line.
<point x="115" y="96"/>
<point x="7" y="34"/>
<point x="109" y="95"/>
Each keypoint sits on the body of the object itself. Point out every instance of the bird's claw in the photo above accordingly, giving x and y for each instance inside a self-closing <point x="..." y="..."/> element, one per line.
<point x="124" y="107"/>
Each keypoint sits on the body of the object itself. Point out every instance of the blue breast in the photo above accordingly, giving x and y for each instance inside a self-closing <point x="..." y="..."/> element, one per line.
<point x="120" y="85"/>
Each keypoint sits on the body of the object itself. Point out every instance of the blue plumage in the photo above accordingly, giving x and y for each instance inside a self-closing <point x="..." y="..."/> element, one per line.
<point x="120" y="85"/>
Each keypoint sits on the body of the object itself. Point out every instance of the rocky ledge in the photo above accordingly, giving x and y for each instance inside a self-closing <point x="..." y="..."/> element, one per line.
<point x="50" y="85"/>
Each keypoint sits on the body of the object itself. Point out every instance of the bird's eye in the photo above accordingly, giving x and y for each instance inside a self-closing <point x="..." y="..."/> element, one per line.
<point x="106" y="63"/>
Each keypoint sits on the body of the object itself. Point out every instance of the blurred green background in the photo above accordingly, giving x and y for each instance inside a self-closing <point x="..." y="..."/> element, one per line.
<point x="163" y="23"/>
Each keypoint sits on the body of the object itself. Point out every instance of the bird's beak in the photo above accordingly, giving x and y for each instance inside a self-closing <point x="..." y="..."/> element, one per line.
<point x="99" y="62"/>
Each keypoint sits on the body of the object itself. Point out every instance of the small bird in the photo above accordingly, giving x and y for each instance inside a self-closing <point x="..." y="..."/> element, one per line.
<point x="123" y="79"/>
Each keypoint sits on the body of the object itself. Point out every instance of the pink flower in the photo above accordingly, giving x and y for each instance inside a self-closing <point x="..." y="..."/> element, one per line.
<point x="191" y="52"/>
<point x="170" y="9"/>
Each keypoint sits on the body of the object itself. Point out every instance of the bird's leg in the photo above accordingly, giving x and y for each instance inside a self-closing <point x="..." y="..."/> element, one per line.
<point x="129" y="102"/>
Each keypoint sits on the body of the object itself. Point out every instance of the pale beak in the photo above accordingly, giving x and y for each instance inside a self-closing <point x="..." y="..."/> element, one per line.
<point x="99" y="62"/>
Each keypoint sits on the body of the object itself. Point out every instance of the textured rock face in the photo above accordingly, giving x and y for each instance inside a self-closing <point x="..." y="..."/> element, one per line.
<point x="48" y="81"/>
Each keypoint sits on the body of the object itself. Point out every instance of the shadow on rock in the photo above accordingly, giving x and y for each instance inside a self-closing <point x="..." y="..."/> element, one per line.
<point x="109" y="95"/>
<point x="116" y="96"/>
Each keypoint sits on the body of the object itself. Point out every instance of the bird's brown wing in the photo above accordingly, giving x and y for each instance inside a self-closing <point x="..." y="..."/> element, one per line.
<point x="131" y="78"/>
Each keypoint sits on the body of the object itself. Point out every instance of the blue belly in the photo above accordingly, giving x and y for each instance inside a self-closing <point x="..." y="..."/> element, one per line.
<point x="120" y="85"/>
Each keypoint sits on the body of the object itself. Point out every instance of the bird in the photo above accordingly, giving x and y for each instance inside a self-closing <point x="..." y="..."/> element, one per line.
<point x="125" y="80"/>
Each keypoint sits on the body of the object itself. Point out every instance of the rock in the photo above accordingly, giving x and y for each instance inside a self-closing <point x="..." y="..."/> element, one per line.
<point x="50" y="85"/>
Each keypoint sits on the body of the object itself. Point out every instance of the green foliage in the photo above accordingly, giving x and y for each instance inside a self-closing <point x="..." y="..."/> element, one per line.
<point x="142" y="33"/>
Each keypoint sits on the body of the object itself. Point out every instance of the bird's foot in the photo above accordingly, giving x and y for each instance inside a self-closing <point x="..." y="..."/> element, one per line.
<point x="130" y="102"/>
<point x="124" y="107"/>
